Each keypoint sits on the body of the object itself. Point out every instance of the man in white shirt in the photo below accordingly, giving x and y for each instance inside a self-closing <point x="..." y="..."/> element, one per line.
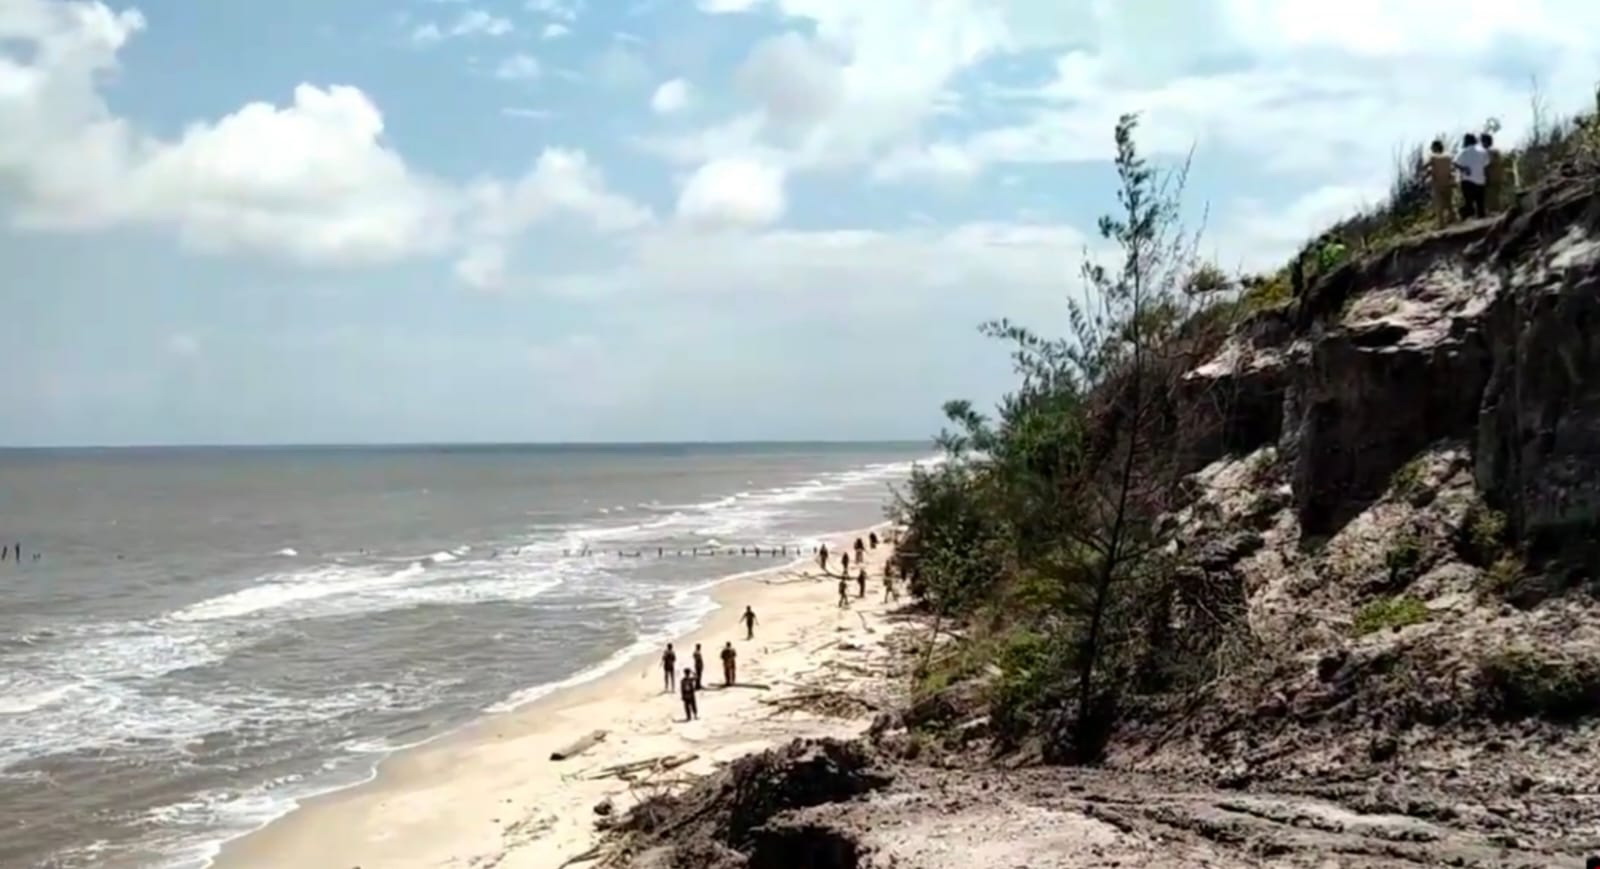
<point x="1473" y="164"/>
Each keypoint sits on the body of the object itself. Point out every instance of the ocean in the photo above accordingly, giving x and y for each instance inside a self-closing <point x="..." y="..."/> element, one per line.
<point x="209" y="634"/>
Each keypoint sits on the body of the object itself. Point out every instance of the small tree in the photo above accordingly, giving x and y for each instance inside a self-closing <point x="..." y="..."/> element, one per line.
<point x="1128" y="354"/>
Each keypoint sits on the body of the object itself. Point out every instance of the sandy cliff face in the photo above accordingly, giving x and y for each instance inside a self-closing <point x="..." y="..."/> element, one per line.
<point x="1398" y="494"/>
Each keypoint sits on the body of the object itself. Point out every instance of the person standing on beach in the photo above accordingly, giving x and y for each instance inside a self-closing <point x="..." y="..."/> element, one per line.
<point x="844" y="592"/>
<point x="822" y="557"/>
<point x="861" y="582"/>
<point x="699" y="666"/>
<point x="846" y="559"/>
<point x="669" y="672"/>
<point x="861" y="551"/>
<point x="749" y="619"/>
<point x="730" y="664"/>
<point x="872" y="540"/>
<point x="691" y="709"/>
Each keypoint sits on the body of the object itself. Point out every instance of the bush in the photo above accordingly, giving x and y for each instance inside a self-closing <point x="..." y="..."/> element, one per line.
<point x="1389" y="613"/>
<point x="1483" y="535"/>
<point x="1409" y="479"/>
<point x="1502" y="577"/>
<point x="1522" y="683"/>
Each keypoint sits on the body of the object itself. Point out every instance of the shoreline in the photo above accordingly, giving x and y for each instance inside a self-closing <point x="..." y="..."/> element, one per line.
<point x="542" y="816"/>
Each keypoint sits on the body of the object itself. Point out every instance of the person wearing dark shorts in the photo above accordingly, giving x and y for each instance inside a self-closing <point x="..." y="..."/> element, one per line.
<point x="687" y="689"/>
<point x="669" y="672"/>
<point x="730" y="664"/>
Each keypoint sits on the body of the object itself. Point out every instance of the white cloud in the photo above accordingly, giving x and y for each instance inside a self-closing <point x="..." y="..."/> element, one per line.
<point x="482" y="267"/>
<point x="735" y="192"/>
<point x="556" y="30"/>
<point x="528" y="113"/>
<point x="671" y="96"/>
<point x="472" y="22"/>
<point x="518" y="67"/>
<point x="561" y="10"/>
<point x="313" y="180"/>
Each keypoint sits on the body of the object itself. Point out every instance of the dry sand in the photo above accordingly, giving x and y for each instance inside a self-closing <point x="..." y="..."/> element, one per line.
<point x="489" y="795"/>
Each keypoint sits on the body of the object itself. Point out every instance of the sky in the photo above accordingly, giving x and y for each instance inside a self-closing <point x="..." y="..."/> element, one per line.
<point x="354" y="221"/>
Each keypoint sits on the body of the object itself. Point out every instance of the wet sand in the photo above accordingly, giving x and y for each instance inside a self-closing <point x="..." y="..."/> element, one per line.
<point x="489" y="795"/>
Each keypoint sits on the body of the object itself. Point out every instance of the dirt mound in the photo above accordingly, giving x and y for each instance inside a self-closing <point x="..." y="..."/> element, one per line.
<point x="720" y="821"/>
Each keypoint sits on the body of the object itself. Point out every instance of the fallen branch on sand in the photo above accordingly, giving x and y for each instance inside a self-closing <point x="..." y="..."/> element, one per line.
<point x="838" y="704"/>
<point x="579" y="746"/>
<point x="652" y="766"/>
<point x="588" y="856"/>
<point x="753" y="686"/>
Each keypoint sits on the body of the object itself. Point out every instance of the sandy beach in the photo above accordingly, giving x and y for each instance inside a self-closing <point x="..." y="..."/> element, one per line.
<point x="489" y="795"/>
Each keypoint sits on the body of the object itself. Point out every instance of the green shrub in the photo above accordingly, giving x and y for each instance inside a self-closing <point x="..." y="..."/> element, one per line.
<point x="1523" y="683"/>
<point x="1483" y="534"/>
<point x="1389" y="613"/>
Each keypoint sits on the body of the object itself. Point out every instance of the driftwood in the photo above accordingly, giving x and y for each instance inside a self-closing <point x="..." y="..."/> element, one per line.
<point x="579" y="746"/>
<point x="754" y="686"/>
<point x="653" y="765"/>
<point x="588" y="856"/>
<point x="825" y="702"/>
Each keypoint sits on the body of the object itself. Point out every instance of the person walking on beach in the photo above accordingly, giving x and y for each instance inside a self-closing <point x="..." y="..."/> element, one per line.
<point x="699" y="667"/>
<point x="730" y="664"/>
<point x="749" y="619"/>
<point x="1441" y="180"/>
<point x="846" y="559"/>
<point x="861" y="582"/>
<point x="669" y="672"/>
<point x="822" y="557"/>
<point x="844" y="592"/>
<point x="861" y="551"/>
<point x="691" y="709"/>
<point x="1473" y="164"/>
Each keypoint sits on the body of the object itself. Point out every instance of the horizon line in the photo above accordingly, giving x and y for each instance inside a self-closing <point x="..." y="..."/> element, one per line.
<point x="243" y="445"/>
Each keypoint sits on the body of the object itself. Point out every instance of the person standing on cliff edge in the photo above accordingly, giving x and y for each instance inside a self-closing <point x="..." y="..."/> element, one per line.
<point x="1473" y="163"/>
<point x="1441" y="180"/>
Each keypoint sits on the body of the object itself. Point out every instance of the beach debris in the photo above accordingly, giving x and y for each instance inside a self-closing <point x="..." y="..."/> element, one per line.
<point x="579" y="746"/>
<point x="633" y="771"/>
<point x="604" y="807"/>
<point x="588" y="856"/>
<point x="753" y="686"/>
<point x="829" y="702"/>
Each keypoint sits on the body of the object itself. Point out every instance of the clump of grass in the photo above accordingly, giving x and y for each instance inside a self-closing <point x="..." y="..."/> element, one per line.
<point x="1524" y="683"/>
<point x="1409" y="479"/>
<point x="1404" y="556"/>
<point x="1389" y="613"/>
<point x="1503" y="576"/>
<point x="1483" y="534"/>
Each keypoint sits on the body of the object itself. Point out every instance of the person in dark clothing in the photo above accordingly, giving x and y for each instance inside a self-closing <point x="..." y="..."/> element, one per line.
<point x="669" y="673"/>
<point x="861" y="550"/>
<point x="749" y="619"/>
<point x="1473" y="164"/>
<point x="730" y="664"/>
<point x="846" y="559"/>
<point x="822" y="557"/>
<point x="861" y="583"/>
<point x="872" y="540"/>
<point x="687" y="689"/>
<point x="699" y="666"/>
<point x="844" y="592"/>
